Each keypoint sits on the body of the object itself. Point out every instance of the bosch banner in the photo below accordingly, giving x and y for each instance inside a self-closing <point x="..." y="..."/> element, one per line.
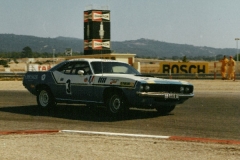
<point x="178" y="67"/>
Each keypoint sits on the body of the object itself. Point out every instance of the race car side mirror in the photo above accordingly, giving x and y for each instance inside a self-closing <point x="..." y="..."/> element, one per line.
<point x="80" y="72"/>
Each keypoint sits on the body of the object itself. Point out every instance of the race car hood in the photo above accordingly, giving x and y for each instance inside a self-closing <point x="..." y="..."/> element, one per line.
<point x="122" y="78"/>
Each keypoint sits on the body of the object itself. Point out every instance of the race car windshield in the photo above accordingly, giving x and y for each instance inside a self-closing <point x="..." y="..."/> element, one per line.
<point x="113" y="68"/>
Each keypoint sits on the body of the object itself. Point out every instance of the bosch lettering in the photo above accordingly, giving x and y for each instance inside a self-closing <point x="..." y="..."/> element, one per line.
<point x="184" y="67"/>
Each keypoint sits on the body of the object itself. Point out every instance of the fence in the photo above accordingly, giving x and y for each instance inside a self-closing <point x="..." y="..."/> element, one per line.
<point x="9" y="76"/>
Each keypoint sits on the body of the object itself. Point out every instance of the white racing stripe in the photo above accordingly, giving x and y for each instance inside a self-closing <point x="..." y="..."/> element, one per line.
<point x="115" y="134"/>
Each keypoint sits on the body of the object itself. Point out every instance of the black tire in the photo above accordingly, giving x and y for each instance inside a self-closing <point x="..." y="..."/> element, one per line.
<point x="45" y="99"/>
<point x="165" y="109"/>
<point x="116" y="104"/>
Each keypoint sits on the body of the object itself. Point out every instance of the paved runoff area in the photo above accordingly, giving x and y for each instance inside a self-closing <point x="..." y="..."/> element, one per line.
<point x="67" y="144"/>
<point x="199" y="85"/>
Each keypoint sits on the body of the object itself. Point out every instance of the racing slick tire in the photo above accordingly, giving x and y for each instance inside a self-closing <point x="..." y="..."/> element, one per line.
<point x="45" y="99"/>
<point x="165" y="109"/>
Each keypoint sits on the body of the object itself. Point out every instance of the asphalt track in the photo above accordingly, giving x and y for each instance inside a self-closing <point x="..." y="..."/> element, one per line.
<point x="208" y="116"/>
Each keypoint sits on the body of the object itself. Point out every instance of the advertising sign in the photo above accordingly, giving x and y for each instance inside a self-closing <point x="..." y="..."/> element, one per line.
<point x="181" y="67"/>
<point x="96" y="44"/>
<point x="97" y="30"/>
<point x="96" y="15"/>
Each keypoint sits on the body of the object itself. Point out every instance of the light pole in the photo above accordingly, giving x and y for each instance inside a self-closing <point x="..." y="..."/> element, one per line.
<point x="236" y="39"/>
<point x="237" y="46"/>
<point x="53" y="55"/>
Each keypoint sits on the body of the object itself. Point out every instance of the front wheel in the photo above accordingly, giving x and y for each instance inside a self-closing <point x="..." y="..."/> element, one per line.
<point x="45" y="98"/>
<point x="165" y="109"/>
<point x="116" y="104"/>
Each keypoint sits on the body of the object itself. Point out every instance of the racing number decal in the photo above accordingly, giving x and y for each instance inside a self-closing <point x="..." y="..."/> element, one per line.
<point x="68" y="86"/>
<point x="102" y="80"/>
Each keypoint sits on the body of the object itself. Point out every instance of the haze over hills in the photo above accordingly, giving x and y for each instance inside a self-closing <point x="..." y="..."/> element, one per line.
<point x="140" y="47"/>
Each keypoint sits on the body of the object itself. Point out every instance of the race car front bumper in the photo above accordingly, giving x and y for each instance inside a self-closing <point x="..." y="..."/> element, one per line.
<point x="165" y="95"/>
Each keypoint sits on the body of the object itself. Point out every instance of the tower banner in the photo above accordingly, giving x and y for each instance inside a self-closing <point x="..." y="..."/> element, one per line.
<point x="97" y="32"/>
<point x="97" y="16"/>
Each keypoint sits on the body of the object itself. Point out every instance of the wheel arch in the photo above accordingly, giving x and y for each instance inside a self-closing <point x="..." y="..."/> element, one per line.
<point x="109" y="91"/>
<point x="41" y="86"/>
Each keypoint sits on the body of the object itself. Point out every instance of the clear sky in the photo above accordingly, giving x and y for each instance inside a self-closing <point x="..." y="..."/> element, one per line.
<point x="211" y="23"/>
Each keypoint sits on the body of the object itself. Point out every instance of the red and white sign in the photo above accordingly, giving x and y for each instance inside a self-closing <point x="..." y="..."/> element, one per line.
<point x="86" y="44"/>
<point x="86" y="17"/>
<point x="99" y="44"/>
<point x="99" y="16"/>
<point x="44" y="67"/>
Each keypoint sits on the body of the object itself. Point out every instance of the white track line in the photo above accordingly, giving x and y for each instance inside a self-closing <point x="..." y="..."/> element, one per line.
<point x="115" y="134"/>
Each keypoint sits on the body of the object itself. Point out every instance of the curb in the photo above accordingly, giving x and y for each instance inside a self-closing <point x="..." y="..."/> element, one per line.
<point x="115" y="134"/>
<point x="170" y="138"/>
<point x="28" y="132"/>
<point x="204" y="140"/>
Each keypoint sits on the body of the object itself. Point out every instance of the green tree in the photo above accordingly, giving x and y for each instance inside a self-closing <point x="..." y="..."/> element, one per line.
<point x="184" y="59"/>
<point x="4" y="63"/>
<point x="27" y="52"/>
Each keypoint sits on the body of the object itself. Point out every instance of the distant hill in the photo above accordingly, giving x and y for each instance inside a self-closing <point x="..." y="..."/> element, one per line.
<point x="15" y="43"/>
<point x="141" y="47"/>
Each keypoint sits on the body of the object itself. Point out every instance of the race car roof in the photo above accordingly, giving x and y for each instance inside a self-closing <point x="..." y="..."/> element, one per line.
<point x="95" y="60"/>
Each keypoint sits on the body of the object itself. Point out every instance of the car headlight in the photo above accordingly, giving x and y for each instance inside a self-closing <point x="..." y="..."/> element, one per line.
<point x="181" y="89"/>
<point x="187" y="89"/>
<point x="147" y="88"/>
<point x="144" y="88"/>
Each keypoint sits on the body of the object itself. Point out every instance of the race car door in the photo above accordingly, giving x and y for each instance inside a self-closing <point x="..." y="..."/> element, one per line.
<point x="79" y="84"/>
<point x="62" y="75"/>
<point x="74" y="81"/>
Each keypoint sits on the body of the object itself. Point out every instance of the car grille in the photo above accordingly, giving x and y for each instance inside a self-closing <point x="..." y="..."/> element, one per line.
<point x="169" y="88"/>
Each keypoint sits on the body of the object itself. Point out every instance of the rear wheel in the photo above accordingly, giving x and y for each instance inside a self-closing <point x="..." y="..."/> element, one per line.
<point x="45" y="98"/>
<point x="165" y="109"/>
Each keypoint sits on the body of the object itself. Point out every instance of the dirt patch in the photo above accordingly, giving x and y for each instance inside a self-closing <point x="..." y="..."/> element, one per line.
<point x="77" y="146"/>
